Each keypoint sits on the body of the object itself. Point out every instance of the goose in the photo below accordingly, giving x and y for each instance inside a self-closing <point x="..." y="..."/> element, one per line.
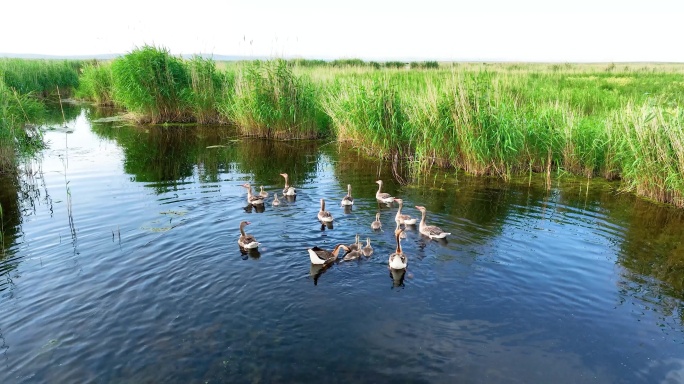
<point x="348" y="200"/>
<point x="353" y="255"/>
<point x="276" y="202"/>
<point x="403" y="219"/>
<point x="356" y="245"/>
<point x="321" y="256"/>
<point x="383" y="196"/>
<point x="376" y="224"/>
<point x="246" y="241"/>
<point x="403" y="234"/>
<point x="367" y="250"/>
<point x="398" y="260"/>
<point x="251" y="199"/>
<point x="430" y="231"/>
<point x="323" y="215"/>
<point x="263" y="193"/>
<point x="288" y="190"/>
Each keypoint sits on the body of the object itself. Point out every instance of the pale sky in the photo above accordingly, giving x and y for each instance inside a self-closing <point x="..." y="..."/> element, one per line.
<point x="525" y="30"/>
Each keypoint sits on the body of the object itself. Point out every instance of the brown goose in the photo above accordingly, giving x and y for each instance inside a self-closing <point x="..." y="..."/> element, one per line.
<point x="398" y="259"/>
<point x="323" y="215"/>
<point x="367" y="250"/>
<point x="430" y="231"/>
<point x="321" y="256"/>
<point x="382" y="196"/>
<point x="246" y="241"/>
<point x="288" y="190"/>
<point x="252" y="199"/>
<point x="376" y="224"/>
<point x="263" y="193"/>
<point x="348" y="200"/>
<point x="401" y="218"/>
<point x="356" y="245"/>
<point x="276" y="201"/>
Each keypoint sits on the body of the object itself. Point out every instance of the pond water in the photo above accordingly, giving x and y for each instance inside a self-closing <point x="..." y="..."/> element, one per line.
<point x="121" y="264"/>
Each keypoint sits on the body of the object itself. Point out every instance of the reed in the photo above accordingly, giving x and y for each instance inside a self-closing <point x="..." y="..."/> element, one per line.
<point x="487" y="119"/>
<point x="649" y="151"/>
<point x="269" y="100"/>
<point x="154" y="85"/>
<point x="96" y="83"/>
<point x="17" y="136"/>
<point x="206" y="90"/>
<point x="40" y="77"/>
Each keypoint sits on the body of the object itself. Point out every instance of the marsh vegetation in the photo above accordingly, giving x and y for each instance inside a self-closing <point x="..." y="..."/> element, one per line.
<point x="614" y="121"/>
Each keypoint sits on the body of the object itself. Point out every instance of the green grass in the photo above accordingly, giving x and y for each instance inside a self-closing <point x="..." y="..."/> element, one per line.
<point x="96" y="83"/>
<point x="615" y="121"/>
<point x="153" y="84"/>
<point x="41" y="78"/>
<point x="17" y="136"/>
<point x="266" y="99"/>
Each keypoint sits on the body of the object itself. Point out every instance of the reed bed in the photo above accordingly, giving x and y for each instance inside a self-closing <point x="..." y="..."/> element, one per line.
<point x="267" y="99"/>
<point x="616" y="121"/>
<point x="41" y="78"/>
<point x="96" y="83"/>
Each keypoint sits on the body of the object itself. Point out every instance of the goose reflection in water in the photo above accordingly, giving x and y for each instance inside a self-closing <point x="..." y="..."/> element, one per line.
<point x="328" y="225"/>
<point x="397" y="276"/>
<point x="259" y="208"/>
<point x="317" y="270"/>
<point x="253" y="254"/>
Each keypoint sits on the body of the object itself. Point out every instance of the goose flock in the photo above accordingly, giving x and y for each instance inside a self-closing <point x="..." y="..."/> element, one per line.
<point x="397" y="261"/>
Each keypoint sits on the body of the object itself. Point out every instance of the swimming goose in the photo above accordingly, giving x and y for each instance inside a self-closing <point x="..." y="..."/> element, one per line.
<point x="398" y="260"/>
<point x="276" y="202"/>
<point x="382" y="196"/>
<point x="356" y="245"/>
<point x="403" y="219"/>
<point x="251" y="199"/>
<point x="288" y="190"/>
<point x="352" y="255"/>
<point x="246" y="241"/>
<point x="348" y="200"/>
<point x="367" y="250"/>
<point x="430" y="231"/>
<point x="323" y="215"/>
<point x="376" y="224"/>
<point x="403" y="234"/>
<point x="263" y="193"/>
<point x="321" y="256"/>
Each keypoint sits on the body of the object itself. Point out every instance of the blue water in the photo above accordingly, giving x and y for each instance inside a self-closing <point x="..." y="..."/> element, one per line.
<point x="123" y="266"/>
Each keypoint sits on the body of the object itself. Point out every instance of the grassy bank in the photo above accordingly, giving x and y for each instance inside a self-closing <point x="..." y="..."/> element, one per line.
<point x="615" y="121"/>
<point x="25" y="85"/>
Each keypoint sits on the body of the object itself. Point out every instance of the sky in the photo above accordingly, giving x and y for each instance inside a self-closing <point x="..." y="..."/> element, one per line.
<point x="486" y="30"/>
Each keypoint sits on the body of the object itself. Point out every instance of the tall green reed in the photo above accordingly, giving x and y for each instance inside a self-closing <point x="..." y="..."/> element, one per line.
<point x="269" y="100"/>
<point x="153" y="84"/>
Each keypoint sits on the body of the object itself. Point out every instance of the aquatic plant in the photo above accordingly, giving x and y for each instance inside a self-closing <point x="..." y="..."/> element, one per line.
<point x="648" y="141"/>
<point x="153" y="84"/>
<point x="269" y="100"/>
<point x="16" y="134"/>
<point x="40" y="77"/>
<point x="96" y="83"/>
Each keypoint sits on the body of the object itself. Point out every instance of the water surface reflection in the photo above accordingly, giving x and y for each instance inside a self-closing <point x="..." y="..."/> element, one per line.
<point x="130" y="270"/>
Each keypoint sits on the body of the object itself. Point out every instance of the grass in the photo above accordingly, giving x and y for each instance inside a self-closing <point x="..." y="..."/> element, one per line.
<point x="96" y="83"/>
<point x="266" y="99"/>
<point x="41" y="78"/>
<point x="611" y="120"/>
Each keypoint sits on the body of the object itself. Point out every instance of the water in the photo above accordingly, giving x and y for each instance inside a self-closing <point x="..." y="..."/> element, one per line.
<point x="121" y="265"/>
